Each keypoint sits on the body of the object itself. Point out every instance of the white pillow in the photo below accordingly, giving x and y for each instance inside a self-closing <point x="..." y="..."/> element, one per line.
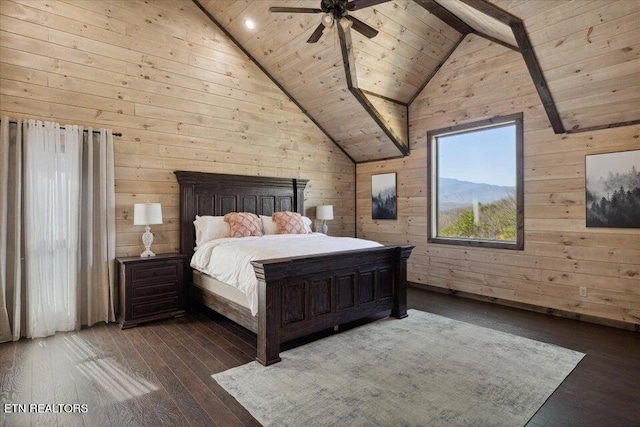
<point x="209" y="228"/>
<point x="307" y="224"/>
<point x="269" y="226"/>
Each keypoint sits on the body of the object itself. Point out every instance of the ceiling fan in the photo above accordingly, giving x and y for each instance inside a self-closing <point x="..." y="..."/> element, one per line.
<point x="333" y="11"/>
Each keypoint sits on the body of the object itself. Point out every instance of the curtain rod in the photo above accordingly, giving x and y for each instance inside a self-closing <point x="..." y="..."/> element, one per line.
<point x="62" y="127"/>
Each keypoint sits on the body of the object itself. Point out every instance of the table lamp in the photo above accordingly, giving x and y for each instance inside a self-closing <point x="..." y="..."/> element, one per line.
<point x="324" y="213"/>
<point x="147" y="214"/>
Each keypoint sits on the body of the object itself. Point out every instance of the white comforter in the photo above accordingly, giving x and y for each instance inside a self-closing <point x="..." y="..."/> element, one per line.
<point x="228" y="260"/>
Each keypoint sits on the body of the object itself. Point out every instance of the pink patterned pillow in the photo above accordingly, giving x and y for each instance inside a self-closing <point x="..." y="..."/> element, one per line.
<point x="289" y="223"/>
<point x="244" y="224"/>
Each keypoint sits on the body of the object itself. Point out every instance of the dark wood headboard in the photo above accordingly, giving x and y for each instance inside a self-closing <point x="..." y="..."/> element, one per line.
<point x="218" y="194"/>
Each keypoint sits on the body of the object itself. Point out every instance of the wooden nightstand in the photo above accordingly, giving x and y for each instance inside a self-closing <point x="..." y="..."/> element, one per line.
<point x="150" y="288"/>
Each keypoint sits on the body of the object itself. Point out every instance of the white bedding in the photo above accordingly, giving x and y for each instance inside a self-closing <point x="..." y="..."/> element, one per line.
<point x="228" y="259"/>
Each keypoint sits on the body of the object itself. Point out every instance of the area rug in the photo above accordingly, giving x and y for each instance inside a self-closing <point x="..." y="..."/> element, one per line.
<point x="424" y="370"/>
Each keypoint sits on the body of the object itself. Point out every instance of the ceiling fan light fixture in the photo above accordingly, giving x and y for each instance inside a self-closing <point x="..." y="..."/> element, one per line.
<point x="327" y="20"/>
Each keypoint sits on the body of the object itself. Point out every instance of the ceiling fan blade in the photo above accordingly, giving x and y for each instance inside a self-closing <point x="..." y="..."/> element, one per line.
<point x="316" y="34"/>
<point x="361" y="4"/>
<point x="294" y="9"/>
<point x="362" y="28"/>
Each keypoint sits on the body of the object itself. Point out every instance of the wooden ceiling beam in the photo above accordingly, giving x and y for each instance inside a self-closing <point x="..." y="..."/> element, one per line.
<point x="609" y="126"/>
<point x="386" y="98"/>
<point x="458" y="24"/>
<point x="349" y="62"/>
<point x="493" y="11"/>
<point x="445" y="16"/>
<point x="526" y="49"/>
<point x="529" y="56"/>
<point x="498" y="41"/>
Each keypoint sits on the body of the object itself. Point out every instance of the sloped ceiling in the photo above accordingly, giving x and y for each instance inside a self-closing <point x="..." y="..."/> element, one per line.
<point x="583" y="57"/>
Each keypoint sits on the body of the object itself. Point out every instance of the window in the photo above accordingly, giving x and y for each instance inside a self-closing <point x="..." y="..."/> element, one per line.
<point x="476" y="184"/>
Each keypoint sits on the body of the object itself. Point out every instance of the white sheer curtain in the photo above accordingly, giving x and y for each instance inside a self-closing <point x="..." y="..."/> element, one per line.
<point x="63" y="275"/>
<point x="51" y="213"/>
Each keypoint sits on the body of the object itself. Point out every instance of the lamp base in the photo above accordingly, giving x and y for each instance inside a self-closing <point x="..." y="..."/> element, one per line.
<point x="147" y="253"/>
<point x="325" y="227"/>
<point x="147" y="240"/>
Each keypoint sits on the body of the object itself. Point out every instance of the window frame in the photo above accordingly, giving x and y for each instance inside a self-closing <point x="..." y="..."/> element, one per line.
<point x="432" y="187"/>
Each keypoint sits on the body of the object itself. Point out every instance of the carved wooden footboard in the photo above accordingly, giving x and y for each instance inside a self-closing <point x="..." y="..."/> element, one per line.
<point x="301" y="295"/>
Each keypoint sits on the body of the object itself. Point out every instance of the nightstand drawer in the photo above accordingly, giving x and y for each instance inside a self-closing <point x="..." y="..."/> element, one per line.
<point x="157" y="290"/>
<point x="143" y="309"/>
<point x="154" y="271"/>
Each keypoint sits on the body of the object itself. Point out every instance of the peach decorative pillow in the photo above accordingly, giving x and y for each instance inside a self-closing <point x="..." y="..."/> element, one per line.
<point x="244" y="224"/>
<point x="289" y="223"/>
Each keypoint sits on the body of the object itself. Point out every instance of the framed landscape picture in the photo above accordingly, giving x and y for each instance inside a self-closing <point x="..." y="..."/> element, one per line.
<point x="383" y="196"/>
<point x="613" y="189"/>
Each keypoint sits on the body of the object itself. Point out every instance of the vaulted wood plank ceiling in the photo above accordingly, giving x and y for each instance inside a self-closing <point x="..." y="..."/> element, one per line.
<point x="570" y="48"/>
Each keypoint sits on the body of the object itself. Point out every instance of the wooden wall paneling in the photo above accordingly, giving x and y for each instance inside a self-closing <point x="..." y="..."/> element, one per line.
<point x="568" y="18"/>
<point x="560" y="253"/>
<point x="423" y="38"/>
<point x="582" y="45"/>
<point x="378" y="82"/>
<point x="159" y="73"/>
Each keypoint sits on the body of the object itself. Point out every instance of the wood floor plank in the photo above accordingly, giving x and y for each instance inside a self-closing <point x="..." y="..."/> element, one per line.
<point x="189" y="337"/>
<point x="104" y="387"/>
<point x="7" y="364"/>
<point x="64" y="385"/>
<point x="83" y="357"/>
<point x="204" y="399"/>
<point x="7" y="356"/>
<point x="163" y="377"/>
<point x="16" y="387"/>
<point x="224" y="350"/>
<point x="42" y="383"/>
<point x="231" y="341"/>
<point x="122" y="410"/>
<point x="217" y="347"/>
<point x="156" y="403"/>
<point x="202" y="353"/>
<point x="186" y="350"/>
<point x="130" y="385"/>
<point x="162" y="365"/>
<point x="172" y="385"/>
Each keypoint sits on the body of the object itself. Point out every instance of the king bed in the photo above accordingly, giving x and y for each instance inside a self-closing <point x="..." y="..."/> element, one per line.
<point x="296" y="295"/>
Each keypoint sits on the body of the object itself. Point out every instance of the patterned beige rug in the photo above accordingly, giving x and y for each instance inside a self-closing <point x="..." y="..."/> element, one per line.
<point x="425" y="370"/>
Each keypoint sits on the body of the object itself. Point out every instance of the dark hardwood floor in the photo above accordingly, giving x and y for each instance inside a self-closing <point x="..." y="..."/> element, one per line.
<point x="160" y="373"/>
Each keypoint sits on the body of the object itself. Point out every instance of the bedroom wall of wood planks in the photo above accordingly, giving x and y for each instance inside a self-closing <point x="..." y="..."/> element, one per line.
<point x="483" y="80"/>
<point x="182" y="94"/>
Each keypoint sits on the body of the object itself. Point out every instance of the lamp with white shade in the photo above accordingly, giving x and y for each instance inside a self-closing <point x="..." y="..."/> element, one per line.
<point x="147" y="214"/>
<point x="324" y="213"/>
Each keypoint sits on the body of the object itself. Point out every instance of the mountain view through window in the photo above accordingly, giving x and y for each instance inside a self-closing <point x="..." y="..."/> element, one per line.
<point x="475" y="175"/>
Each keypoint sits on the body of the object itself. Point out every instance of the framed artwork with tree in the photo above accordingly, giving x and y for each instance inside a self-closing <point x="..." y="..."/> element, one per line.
<point x="383" y="196"/>
<point x="613" y="189"/>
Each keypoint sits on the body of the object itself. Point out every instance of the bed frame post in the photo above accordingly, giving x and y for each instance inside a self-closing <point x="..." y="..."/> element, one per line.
<point x="399" y="310"/>
<point x="268" y="319"/>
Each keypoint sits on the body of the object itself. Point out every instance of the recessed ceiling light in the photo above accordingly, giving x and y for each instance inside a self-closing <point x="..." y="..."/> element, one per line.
<point x="249" y="24"/>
